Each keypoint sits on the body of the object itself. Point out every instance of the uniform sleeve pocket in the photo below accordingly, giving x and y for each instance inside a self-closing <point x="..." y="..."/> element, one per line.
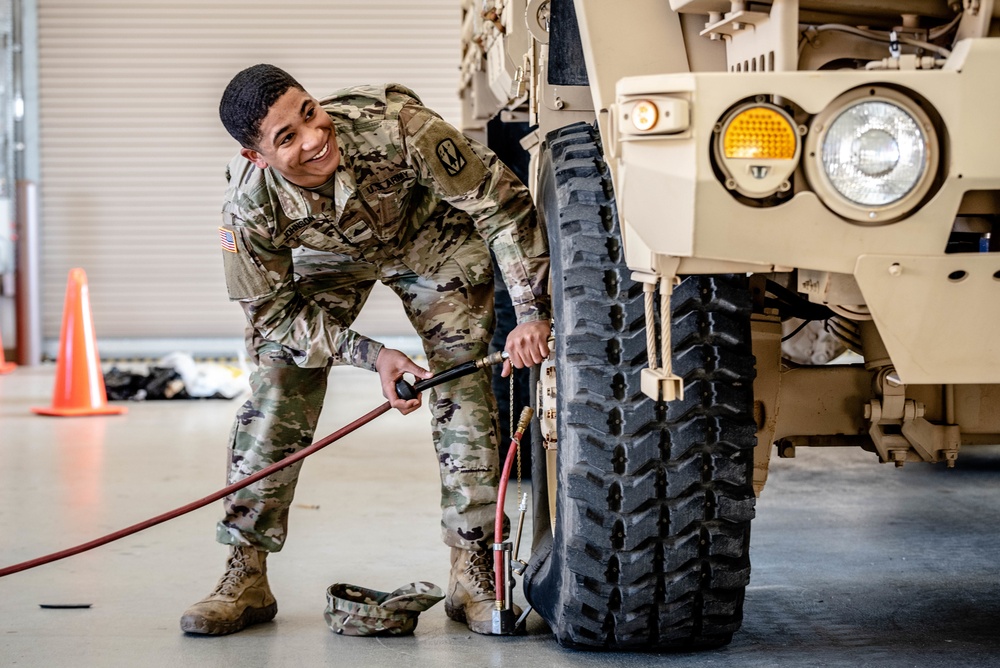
<point x="245" y="278"/>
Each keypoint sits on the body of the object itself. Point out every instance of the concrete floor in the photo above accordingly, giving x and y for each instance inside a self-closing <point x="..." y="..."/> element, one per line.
<point x="854" y="564"/>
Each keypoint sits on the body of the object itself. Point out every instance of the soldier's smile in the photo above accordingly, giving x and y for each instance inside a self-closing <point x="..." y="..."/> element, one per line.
<point x="322" y="154"/>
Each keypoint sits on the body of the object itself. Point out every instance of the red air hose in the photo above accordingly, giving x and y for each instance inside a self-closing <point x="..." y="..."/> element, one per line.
<point x="404" y="390"/>
<point x="263" y="473"/>
<point x="515" y="443"/>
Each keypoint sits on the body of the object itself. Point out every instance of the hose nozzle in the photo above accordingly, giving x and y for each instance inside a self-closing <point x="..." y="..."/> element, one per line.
<point x="496" y="358"/>
<point x="405" y="391"/>
<point x="522" y="424"/>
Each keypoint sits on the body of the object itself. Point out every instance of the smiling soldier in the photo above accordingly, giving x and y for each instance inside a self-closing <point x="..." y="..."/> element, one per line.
<point x="325" y="198"/>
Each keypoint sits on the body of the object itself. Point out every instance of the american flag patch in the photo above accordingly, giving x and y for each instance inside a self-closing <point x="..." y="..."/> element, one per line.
<point x="228" y="239"/>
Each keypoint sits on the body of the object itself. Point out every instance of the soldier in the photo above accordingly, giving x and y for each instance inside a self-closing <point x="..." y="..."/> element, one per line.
<point x="325" y="198"/>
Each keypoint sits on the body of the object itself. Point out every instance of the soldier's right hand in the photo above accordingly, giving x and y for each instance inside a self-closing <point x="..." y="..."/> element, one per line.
<point x="391" y="364"/>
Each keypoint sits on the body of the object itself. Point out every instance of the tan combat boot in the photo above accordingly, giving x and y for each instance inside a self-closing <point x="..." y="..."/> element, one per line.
<point x="472" y="590"/>
<point x="241" y="598"/>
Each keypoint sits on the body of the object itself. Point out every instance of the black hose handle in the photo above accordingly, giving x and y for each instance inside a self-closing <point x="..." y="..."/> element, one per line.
<point x="406" y="391"/>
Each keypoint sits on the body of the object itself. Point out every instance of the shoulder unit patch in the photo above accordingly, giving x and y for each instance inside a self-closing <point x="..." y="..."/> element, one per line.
<point x="451" y="158"/>
<point x="443" y="152"/>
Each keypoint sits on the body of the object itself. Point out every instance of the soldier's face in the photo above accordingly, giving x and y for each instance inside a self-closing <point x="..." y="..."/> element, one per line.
<point x="297" y="140"/>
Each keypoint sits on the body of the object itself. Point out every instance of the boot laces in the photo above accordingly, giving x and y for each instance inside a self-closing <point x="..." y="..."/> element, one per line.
<point x="236" y="570"/>
<point x="479" y="568"/>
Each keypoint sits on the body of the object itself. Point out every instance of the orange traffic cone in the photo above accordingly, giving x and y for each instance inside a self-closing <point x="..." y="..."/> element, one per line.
<point x="5" y="366"/>
<point x="79" y="387"/>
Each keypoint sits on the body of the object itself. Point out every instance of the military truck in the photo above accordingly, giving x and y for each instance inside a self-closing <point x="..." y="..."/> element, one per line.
<point x="772" y="225"/>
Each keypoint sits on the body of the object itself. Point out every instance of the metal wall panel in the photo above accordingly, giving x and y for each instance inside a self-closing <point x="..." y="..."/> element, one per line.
<point x="133" y="153"/>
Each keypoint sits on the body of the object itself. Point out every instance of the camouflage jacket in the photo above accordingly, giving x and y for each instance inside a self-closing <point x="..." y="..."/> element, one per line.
<point x="410" y="189"/>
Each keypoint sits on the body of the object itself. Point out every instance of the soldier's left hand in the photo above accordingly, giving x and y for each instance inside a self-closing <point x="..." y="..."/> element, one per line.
<point x="527" y="345"/>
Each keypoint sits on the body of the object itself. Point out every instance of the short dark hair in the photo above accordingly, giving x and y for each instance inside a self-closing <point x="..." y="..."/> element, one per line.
<point x="249" y="96"/>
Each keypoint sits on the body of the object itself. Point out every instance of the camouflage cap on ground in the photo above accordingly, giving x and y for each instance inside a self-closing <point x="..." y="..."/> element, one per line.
<point x="358" y="611"/>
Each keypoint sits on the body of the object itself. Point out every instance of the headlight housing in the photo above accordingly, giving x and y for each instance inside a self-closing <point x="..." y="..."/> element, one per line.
<point x="757" y="148"/>
<point x="872" y="155"/>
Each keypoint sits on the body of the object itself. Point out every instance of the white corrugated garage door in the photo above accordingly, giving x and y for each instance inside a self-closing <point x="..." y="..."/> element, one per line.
<point x="133" y="154"/>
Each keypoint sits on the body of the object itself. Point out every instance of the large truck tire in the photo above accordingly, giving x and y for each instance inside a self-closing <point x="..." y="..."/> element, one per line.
<point x="650" y="549"/>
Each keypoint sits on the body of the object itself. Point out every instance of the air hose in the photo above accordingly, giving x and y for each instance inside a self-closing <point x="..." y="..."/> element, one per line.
<point x="503" y="622"/>
<point x="403" y="389"/>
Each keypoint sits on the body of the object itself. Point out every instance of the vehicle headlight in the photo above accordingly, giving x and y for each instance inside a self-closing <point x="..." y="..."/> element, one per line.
<point x="873" y="155"/>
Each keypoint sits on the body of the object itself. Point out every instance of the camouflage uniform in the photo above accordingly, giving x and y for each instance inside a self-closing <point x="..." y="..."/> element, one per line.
<point x="410" y="205"/>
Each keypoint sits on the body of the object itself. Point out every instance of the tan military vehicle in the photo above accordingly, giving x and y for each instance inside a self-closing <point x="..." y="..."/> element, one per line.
<point x="772" y="226"/>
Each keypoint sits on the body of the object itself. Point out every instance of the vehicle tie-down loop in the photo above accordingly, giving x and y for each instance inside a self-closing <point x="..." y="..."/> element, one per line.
<point x="658" y="380"/>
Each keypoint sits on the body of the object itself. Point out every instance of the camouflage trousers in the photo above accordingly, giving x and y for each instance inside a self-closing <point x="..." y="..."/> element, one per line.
<point x="452" y="312"/>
